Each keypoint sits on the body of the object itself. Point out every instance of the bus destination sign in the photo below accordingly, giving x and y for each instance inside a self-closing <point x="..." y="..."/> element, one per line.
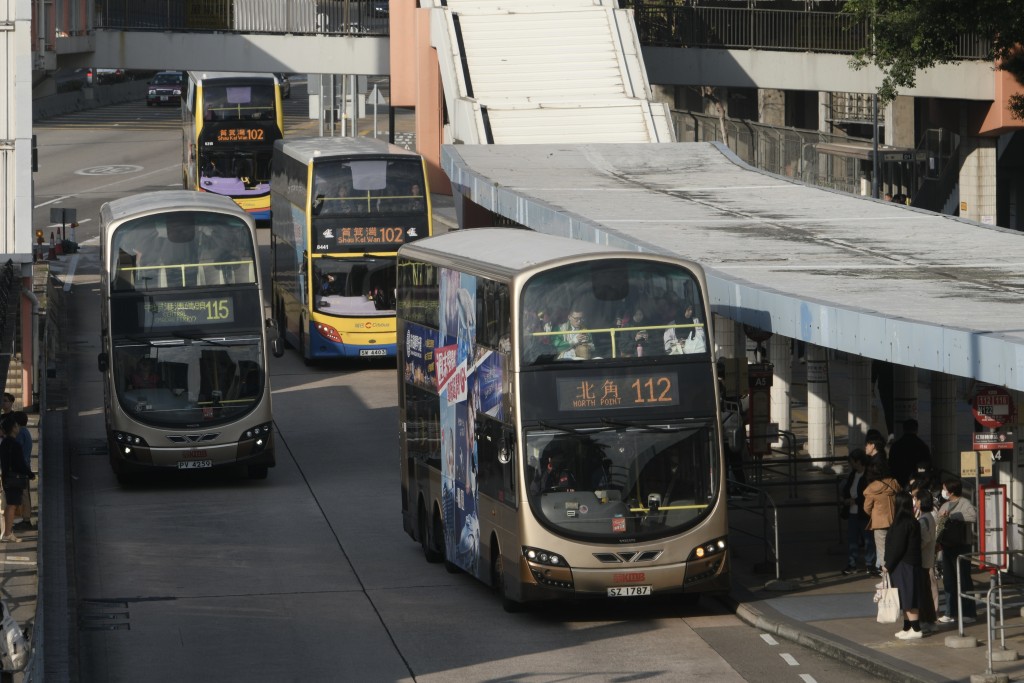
<point x="648" y="390"/>
<point x="247" y="134"/>
<point x="188" y="312"/>
<point x="335" y="238"/>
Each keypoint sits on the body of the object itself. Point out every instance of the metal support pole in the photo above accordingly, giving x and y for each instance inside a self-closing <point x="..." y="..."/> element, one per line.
<point x="874" y="145"/>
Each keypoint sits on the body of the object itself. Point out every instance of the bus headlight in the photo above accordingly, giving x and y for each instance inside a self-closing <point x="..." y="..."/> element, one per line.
<point x="544" y="557"/>
<point x="328" y="332"/>
<point x="259" y="435"/>
<point x="128" y="443"/>
<point x="708" y="549"/>
<point x="548" y="568"/>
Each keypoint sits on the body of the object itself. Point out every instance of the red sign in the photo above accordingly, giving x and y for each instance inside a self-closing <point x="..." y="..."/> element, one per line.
<point x="993" y="407"/>
<point x="993" y="441"/>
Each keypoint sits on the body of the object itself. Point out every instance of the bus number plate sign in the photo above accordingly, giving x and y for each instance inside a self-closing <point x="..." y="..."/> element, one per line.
<point x="596" y="392"/>
<point x="628" y="591"/>
<point x="163" y="313"/>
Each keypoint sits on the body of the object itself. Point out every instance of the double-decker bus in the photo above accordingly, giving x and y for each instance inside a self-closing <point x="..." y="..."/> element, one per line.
<point x="230" y="123"/>
<point x="341" y="208"/>
<point x="184" y="363"/>
<point x="560" y="422"/>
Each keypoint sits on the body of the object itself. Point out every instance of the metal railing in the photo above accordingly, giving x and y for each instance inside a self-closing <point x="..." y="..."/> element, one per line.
<point x="680" y="23"/>
<point x="309" y="17"/>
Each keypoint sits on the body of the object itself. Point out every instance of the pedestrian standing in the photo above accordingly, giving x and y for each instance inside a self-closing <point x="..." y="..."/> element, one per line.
<point x="903" y="563"/>
<point x="14" y="476"/>
<point x="928" y="589"/>
<point x="857" y="534"/>
<point x="879" y="504"/>
<point x="956" y="509"/>
<point x="24" y="438"/>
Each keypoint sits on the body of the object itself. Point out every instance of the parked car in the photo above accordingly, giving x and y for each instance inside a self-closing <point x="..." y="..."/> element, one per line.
<point x="286" y="85"/>
<point x="165" y="88"/>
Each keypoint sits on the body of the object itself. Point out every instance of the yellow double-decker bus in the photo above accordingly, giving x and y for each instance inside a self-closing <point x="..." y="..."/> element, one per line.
<point x="341" y="209"/>
<point x="230" y="124"/>
<point x="560" y="429"/>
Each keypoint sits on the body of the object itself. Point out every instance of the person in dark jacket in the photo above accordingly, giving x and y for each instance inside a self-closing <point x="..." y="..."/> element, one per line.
<point x="908" y="453"/>
<point x="857" y="533"/>
<point x="12" y="464"/>
<point x="903" y="563"/>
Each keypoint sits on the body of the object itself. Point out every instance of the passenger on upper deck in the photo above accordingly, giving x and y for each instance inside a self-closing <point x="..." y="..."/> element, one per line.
<point x="576" y="344"/>
<point x="632" y="342"/>
<point x="690" y="337"/>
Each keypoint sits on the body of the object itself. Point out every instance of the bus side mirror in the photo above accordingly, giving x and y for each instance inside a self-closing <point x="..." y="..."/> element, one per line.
<point x="276" y="345"/>
<point x="102" y="361"/>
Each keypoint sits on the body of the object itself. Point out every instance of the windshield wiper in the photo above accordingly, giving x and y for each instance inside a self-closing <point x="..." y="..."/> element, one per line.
<point x="218" y="341"/>
<point x="641" y="425"/>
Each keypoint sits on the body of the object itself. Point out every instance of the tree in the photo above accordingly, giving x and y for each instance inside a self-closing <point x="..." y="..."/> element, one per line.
<point x="913" y="35"/>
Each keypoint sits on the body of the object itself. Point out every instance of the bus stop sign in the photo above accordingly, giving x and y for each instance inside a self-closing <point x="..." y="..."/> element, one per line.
<point x="993" y="407"/>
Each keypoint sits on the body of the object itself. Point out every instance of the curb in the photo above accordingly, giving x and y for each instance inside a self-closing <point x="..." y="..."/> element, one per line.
<point x="875" y="663"/>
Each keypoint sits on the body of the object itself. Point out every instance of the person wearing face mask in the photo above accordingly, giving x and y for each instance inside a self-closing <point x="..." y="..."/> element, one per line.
<point x="956" y="507"/>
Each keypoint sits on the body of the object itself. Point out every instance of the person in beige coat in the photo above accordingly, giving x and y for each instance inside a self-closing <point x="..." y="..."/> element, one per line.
<point x="879" y="504"/>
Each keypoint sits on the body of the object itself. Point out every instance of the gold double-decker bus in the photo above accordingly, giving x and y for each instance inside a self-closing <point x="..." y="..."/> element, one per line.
<point x="560" y="428"/>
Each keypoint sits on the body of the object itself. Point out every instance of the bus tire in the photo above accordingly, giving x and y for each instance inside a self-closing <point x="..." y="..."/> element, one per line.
<point x="258" y="471"/>
<point x="282" y="323"/>
<point x="302" y="343"/>
<point x="499" y="583"/>
<point x="430" y="551"/>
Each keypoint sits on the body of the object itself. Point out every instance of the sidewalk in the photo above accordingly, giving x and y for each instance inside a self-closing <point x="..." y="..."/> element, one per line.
<point x="815" y="605"/>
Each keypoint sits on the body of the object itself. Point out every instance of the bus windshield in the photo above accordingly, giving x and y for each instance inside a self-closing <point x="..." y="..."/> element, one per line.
<point x="615" y="308"/>
<point x="365" y="187"/>
<point x="248" y="102"/>
<point x="606" y="485"/>
<point x="181" y="249"/>
<point x="189" y="383"/>
<point x="355" y="286"/>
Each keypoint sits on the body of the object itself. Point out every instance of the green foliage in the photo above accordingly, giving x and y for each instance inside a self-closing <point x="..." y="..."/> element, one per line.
<point x="914" y="35"/>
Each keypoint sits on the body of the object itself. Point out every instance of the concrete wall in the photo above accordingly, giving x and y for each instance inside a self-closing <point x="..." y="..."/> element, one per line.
<point x="87" y="98"/>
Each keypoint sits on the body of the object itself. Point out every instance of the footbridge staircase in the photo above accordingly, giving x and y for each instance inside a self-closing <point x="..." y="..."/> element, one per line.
<point x="544" y="71"/>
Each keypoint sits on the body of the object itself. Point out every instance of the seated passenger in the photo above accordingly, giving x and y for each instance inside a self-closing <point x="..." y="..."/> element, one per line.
<point x="632" y="343"/>
<point x="144" y="376"/>
<point x="575" y="344"/>
<point x="688" y="339"/>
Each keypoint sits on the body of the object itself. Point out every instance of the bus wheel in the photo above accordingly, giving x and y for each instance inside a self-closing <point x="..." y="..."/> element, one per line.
<point x="499" y="583"/>
<point x="282" y="324"/>
<point x="430" y="552"/>
<point x="258" y="471"/>
<point x="302" y="344"/>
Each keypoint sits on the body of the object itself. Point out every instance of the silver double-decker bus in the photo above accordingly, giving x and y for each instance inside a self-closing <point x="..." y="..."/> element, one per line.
<point x="184" y="339"/>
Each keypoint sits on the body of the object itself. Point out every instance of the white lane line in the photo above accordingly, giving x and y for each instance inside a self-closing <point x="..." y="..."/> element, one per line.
<point x="807" y="678"/>
<point x="109" y="185"/>
<point x="768" y="639"/>
<point x="58" y="225"/>
<point x="789" y="659"/>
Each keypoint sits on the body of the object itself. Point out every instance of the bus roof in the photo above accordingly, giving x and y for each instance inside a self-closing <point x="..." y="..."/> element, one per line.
<point x="168" y="200"/>
<point x="204" y="76"/>
<point x="307" y="149"/>
<point x="506" y="251"/>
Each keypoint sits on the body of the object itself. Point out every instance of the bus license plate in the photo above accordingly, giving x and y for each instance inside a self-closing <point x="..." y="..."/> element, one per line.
<point x="194" y="464"/>
<point x="373" y="352"/>
<point x="628" y="591"/>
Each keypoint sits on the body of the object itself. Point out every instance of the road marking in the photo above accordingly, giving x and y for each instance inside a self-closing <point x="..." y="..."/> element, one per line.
<point x="58" y="225"/>
<point x="768" y="639"/>
<point x="789" y="659"/>
<point x="807" y="678"/>
<point x="110" y="169"/>
<point x="109" y="185"/>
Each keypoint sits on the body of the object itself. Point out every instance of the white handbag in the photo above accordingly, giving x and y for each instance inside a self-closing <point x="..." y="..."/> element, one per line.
<point x="888" y="599"/>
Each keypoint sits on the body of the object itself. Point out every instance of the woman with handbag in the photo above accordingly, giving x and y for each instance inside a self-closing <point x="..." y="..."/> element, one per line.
<point x="903" y="563"/>
<point x="957" y="517"/>
<point x="14" y="474"/>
